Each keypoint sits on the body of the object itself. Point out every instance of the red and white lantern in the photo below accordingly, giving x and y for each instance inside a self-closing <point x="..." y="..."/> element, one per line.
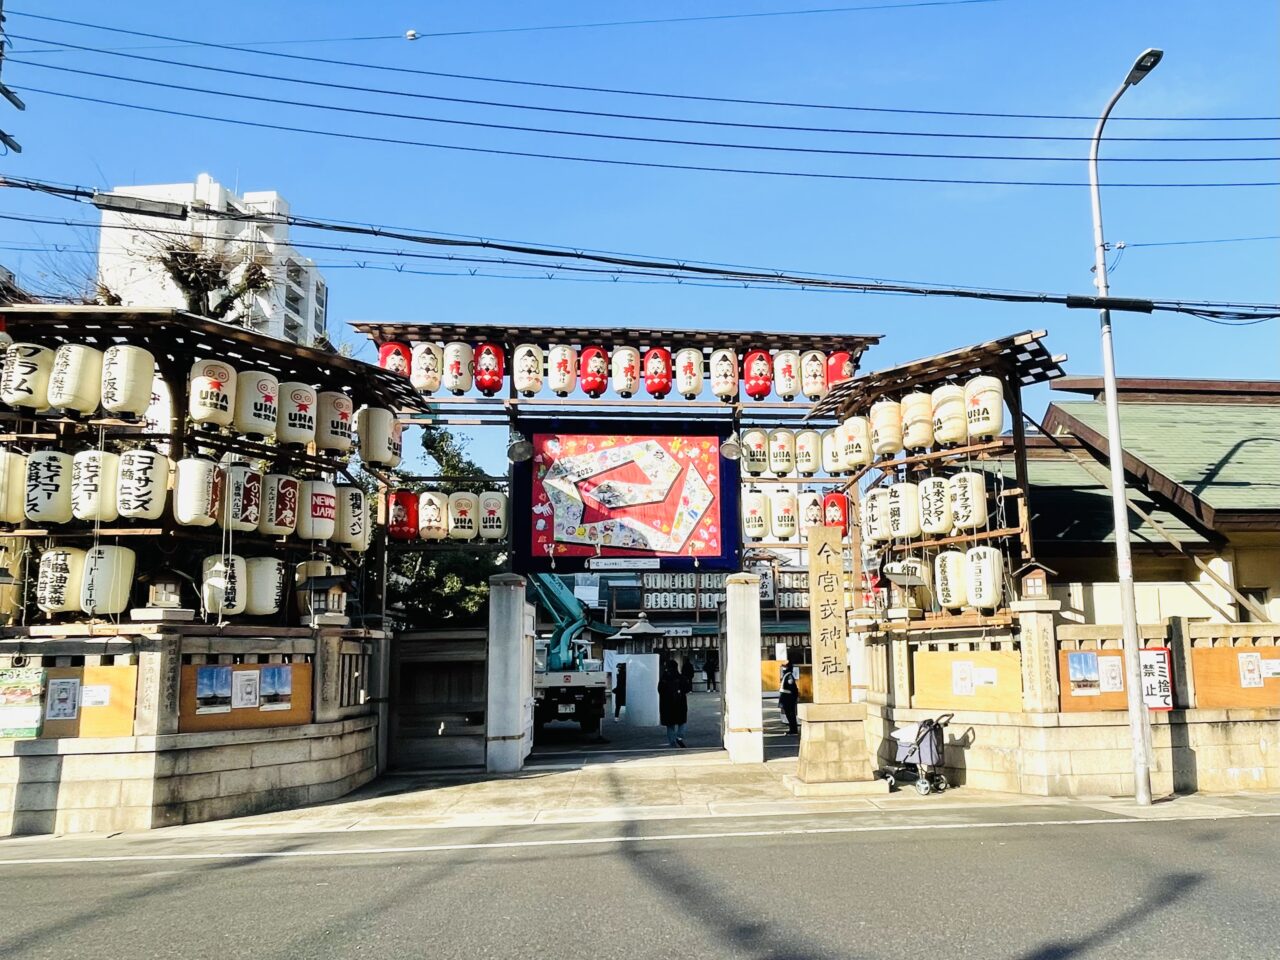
<point x="526" y="369"/>
<point x="755" y="451"/>
<point x="278" y="516"/>
<point x="757" y="370"/>
<point x="724" y="374"/>
<point x="463" y="515"/>
<point x="813" y="374"/>
<point x="257" y="404"/>
<point x="402" y="515"/>
<point x="490" y="368"/>
<point x="335" y="421"/>
<point x="839" y="367"/>
<point x="395" y="357"/>
<point x="786" y="374"/>
<point x="657" y="371"/>
<point x="433" y="515"/>
<point x="493" y="515"/>
<point x="562" y="369"/>
<point x="296" y="425"/>
<point x="689" y="372"/>
<point x="835" y="511"/>
<point x="241" y="497"/>
<point x="426" y="366"/>
<point x="626" y="371"/>
<point x="459" y="363"/>
<point x="317" y="509"/>
<point x="211" y="396"/>
<point x="594" y="371"/>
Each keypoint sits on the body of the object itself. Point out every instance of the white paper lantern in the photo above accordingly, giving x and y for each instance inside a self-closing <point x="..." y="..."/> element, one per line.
<point x="425" y="364"/>
<point x="562" y="369"/>
<point x="433" y="515"/>
<point x="786" y="374"/>
<point x="755" y="451"/>
<point x="833" y="451"/>
<point x="317" y="509"/>
<point x="935" y="506"/>
<point x="59" y="578"/>
<point x="142" y="484"/>
<point x="351" y="520"/>
<point x="689" y="370"/>
<point x="875" y="506"/>
<point x="724" y="374"/>
<point x="75" y="382"/>
<point x="257" y="403"/>
<point x="159" y="416"/>
<point x="782" y="452"/>
<point x="813" y="374"/>
<point x="379" y="432"/>
<point x="127" y="376"/>
<point x="278" y="515"/>
<point x="526" y="369"/>
<point x="493" y="515"/>
<point x="949" y="577"/>
<point x="297" y="419"/>
<point x="784" y="515"/>
<point x="463" y="510"/>
<point x="984" y="407"/>
<point x="624" y="368"/>
<point x="265" y="579"/>
<point x="904" y="510"/>
<point x="459" y="367"/>
<point x="949" y="424"/>
<point x="855" y="443"/>
<point x="211" y="393"/>
<point x="809" y="511"/>
<point x="108" y="581"/>
<point x="94" y="475"/>
<point x="224" y="585"/>
<point x="984" y="577"/>
<point x="335" y="421"/>
<point x="968" y="500"/>
<point x="197" y="492"/>
<point x="886" y="427"/>
<point x="241" y="508"/>
<point x="755" y="514"/>
<point x="26" y="375"/>
<point x="13" y="486"/>
<point x="48" y="487"/>
<point x="917" y="421"/>
<point x="808" y="452"/>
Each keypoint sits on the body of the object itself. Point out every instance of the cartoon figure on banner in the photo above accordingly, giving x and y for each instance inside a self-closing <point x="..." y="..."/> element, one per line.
<point x="489" y="368"/>
<point x="813" y="514"/>
<point x="595" y="371"/>
<point x="657" y="372"/>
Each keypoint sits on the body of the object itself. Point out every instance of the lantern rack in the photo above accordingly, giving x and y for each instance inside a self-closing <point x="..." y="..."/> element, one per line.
<point x="977" y="451"/>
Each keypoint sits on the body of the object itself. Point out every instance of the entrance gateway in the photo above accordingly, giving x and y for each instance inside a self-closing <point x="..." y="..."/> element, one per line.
<point x="660" y="498"/>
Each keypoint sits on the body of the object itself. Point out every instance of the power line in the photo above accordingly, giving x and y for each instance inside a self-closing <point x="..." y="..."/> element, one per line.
<point x="773" y="148"/>
<point x="639" y="164"/>
<point x="613" y="115"/>
<point x="592" y="89"/>
<point x="1186" y="243"/>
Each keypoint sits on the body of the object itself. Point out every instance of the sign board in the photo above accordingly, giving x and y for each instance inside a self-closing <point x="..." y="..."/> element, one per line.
<point x="603" y="563"/>
<point x="827" y="621"/>
<point x="21" y="690"/>
<point x="780" y="651"/>
<point x="678" y="631"/>
<point x="767" y="584"/>
<point x="1157" y="678"/>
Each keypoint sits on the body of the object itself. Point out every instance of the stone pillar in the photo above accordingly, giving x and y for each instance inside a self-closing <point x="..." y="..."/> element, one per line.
<point x="1038" y="641"/>
<point x="505" y="728"/>
<point x="834" y="759"/>
<point x="744" y="717"/>
<point x="1184" y="678"/>
<point x="900" y="672"/>
<point x="159" y="673"/>
<point x="380" y="692"/>
<point x="326" y="679"/>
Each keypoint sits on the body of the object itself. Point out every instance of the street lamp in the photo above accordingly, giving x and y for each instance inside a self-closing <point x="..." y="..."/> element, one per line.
<point x="1138" y="724"/>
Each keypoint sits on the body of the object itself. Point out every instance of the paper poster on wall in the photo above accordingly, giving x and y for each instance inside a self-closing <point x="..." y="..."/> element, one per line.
<point x="962" y="678"/>
<point x="244" y="689"/>
<point x="213" y="689"/>
<point x="984" y="676"/>
<point x="277" y="687"/>
<point x="95" y="695"/>
<point x="1082" y="673"/>
<point x="63" y="702"/>
<point x="1270" y="668"/>
<point x="1111" y="674"/>
<point x="1157" y="680"/>
<point x="1251" y="670"/>
<point x="21" y="694"/>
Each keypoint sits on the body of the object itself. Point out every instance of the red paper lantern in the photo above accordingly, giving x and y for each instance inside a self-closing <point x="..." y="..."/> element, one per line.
<point x="839" y="367"/>
<point x="396" y="357"/>
<point x="757" y="370"/>
<point x="593" y="371"/>
<point x="657" y="371"/>
<point x="835" y="511"/>
<point x="490" y="367"/>
<point x="402" y="515"/>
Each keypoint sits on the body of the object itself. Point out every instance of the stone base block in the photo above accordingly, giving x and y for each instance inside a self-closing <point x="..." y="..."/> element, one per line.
<point x="833" y="744"/>
<point x="843" y="788"/>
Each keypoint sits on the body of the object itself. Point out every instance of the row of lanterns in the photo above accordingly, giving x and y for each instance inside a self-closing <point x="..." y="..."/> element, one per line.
<point x="784" y="514"/>
<point x="950" y="415"/>
<point x="935" y="506"/>
<point x="969" y="578"/>
<point x="457" y="366"/>
<point x="52" y="487"/>
<point x="453" y="516"/>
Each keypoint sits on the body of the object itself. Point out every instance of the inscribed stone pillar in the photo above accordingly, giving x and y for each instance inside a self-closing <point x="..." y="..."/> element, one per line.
<point x="1037" y="640"/>
<point x="744" y="719"/>
<point x="827" y="618"/>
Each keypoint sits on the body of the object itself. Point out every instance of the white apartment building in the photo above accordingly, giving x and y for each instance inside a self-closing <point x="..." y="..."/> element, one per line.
<point x="294" y="306"/>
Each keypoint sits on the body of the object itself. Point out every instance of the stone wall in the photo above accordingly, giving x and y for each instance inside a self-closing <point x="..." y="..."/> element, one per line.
<point x="134" y="783"/>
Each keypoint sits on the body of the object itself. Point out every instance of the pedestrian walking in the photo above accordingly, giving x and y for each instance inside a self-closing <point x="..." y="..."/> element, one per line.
<point x="686" y="675"/>
<point x="673" y="704"/>
<point x="789" y="696"/>
<point x="712" y="666"/>
<point x="620" y="691"/>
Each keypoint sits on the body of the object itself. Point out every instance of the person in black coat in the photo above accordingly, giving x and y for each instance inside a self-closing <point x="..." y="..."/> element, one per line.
<point x="712" y="667"/>
<point x="673" y="703"/>
<point x="620" y="691"/>
<point x="789" y="696"/>
<point x="686" y="674"/>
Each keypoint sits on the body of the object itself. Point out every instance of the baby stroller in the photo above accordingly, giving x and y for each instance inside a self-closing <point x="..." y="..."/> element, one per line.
<point x="919" y="755"/>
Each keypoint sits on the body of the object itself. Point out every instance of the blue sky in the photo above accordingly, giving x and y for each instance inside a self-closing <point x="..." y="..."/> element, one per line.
<point x="1031" y="56"/>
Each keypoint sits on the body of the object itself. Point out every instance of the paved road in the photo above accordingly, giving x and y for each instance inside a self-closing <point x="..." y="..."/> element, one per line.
<point x="1047" y="882"/>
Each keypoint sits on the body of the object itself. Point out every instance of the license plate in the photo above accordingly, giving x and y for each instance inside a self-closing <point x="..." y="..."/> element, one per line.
<point x="566" y="708"/>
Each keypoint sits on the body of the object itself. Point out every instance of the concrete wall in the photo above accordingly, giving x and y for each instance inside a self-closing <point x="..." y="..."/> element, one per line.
<point x="134" y="783"/>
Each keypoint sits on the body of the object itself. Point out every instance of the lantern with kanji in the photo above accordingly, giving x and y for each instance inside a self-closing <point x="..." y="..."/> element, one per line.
<point x="526" y="369"/>
<point x="813" y="374"/>
<point x="58" y="580"/>
<point x="562" y="369"/>
<point x="950" y="580"/>
<point x="278" y="516"/>
<point x="459" y="363"/>
<point x="755" y="514"/>
<point x="724" y="374"/>
<point x="904" y="510"/>
<point x="689" y="372"/>
<point x="757" y="371"/>
<point x="75" y="382"/>
<point x="351" y="525"/>
<point x="224" y="584"/>
<point x="490" y="367"/>
<point x="755" y="451"/>
<point x="127" y="374"/>
<point x="984" y="576"/>
<point x="935" y="505"/>
<point x="26" y="375"/>
<point x="657" y="371"/>
<point x="94" y="475"/>
<point x="835" y="511"/>
<point x="839" y="367"/>
<point x="968" y="499"/>
<point x="593" y="371"/>
<point x="626" y="371"/>
<point x="396" y="357"/>
<point x="48" y="487"/>
<point x="425" y="367"/>
<point x="317" y="509"/>
<point x="786" y="374"/>
<point x="265" y="582"/>
<point x="402" y="515"/>
<point x="107" y="580"/>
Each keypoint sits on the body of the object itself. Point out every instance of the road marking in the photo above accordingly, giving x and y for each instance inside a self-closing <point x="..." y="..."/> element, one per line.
<point x="596" y="841"/>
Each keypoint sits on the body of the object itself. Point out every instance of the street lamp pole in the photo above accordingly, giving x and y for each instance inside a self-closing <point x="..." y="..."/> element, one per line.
<point x="1139" y="727"/>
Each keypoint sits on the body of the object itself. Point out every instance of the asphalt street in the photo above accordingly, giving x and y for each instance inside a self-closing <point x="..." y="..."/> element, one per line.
<point x="1045" y="882"/>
